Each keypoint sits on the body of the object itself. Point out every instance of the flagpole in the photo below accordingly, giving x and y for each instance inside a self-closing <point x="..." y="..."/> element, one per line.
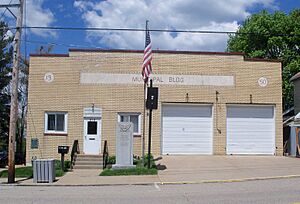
<point x="144" y="114"/>
<point x="144" y="125"/>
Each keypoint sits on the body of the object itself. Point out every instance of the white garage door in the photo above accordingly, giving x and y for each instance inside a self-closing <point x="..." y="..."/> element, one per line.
<point x="187" y="129"/>
<point x="250" y="130"/>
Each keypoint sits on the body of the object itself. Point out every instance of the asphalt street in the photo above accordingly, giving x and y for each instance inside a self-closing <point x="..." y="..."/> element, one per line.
<point x="264" y="191"/>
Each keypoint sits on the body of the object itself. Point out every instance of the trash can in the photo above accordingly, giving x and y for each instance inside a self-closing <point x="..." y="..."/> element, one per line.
<point x="43" y="170"/>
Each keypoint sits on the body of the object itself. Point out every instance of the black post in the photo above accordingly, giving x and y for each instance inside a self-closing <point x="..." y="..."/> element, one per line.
<point x="149" y="139"/>
<point x="62" y="159"/>
<point x="149" y="133"/>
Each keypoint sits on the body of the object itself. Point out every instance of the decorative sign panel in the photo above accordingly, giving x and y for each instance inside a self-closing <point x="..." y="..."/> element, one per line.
<point x="163" y="79"/>
<point x="262" y="81"/>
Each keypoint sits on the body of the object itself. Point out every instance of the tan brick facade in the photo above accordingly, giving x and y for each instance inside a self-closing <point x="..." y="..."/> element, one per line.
<point x="66" y="93"/>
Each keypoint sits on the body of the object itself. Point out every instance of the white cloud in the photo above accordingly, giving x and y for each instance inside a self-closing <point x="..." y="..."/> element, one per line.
<point x="220" y="15"/>
<point x="36" y="15"/>
<point x="39" y="16"/>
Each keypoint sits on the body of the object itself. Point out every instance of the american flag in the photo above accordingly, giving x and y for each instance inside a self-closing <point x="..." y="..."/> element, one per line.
<point x="147" y="68"/>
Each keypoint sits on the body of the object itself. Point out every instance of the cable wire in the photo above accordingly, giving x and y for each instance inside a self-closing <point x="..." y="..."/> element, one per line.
<point x="154" y="30"/>
<point x="5" y="10"/>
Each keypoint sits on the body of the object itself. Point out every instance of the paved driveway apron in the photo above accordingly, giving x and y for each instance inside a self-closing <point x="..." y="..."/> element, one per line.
<point x="202" y="168"/>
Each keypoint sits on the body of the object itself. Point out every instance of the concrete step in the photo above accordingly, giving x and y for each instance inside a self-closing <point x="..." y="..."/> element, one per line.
<point x="84" y="161"/>
<point x="88" y="163"/>
<point x="88" y="167"/>
<point x="89" y="155"/>
<point x="99" y="159"/>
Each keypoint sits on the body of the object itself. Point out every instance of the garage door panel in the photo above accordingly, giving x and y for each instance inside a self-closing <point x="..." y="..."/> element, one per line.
<point x="249" y="150"/>
<point x="258" y="124"/>
<point x="185" y="120"/>
<point x="250" y="112"/>
<point x="187" y="111"/>
<point x="171" y="140"/>
<point x="186" y="129"/>
<point x="186" y="136"/>
<point x="251" y="135"/>
<point x="188" y="148"/>
<point x="236" y="133"/>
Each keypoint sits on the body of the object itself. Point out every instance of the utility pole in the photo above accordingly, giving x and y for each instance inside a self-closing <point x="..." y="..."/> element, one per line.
<point x="14" y="95"/>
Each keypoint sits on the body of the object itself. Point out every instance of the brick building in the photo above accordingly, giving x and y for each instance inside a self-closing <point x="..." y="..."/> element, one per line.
<point x="209" y="103"/>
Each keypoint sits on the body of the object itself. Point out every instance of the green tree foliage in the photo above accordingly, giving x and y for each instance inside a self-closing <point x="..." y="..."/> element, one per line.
<point x="5" y="66"/>
<point x="258" y="38"/>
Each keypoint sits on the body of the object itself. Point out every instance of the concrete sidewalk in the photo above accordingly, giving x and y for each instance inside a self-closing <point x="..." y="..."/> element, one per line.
<point x="194" y="169"/>
<point x="189" y="169"/>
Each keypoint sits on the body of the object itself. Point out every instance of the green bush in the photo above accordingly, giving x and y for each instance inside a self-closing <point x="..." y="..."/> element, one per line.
<point x="59" y="173"/>
<point x="111" y="160"/>
<point x="152" y="162"/>
<point x="67" y="165"/>
<point x="138" y="161"/>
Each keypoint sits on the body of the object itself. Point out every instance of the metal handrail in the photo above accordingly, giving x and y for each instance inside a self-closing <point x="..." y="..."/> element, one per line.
<point x="105" y="154"/>
<point x="75" y="151"/>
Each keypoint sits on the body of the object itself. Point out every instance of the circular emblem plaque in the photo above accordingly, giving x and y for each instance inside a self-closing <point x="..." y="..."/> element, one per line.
<point x="49" y="77"/>
<point x="262" y="81"/>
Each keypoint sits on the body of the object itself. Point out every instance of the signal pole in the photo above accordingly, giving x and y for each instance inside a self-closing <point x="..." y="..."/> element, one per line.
<point x="14" y="93"/>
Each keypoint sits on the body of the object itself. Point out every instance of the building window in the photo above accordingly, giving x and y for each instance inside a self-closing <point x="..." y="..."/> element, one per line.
<point x="56" y="122"/>
<point x="92" y="127"/>
<point x="135" y="118"/>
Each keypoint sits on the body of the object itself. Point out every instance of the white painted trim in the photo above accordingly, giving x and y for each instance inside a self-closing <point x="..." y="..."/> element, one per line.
<point x="54" y="131"/>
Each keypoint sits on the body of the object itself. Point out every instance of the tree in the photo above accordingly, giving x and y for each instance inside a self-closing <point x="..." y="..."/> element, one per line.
<point x="23" y="99"/>
<point x="272" y="36"/>
<point x="5" y="66"/>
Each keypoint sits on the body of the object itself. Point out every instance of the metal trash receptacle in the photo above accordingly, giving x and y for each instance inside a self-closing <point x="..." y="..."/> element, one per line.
<point x="43" y="170"/>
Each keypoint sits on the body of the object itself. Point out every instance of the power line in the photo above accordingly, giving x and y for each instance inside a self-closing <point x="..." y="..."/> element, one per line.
<point x="154" y="30"/>
<point x="57" y="44"/>
<point x="5" y="10"/>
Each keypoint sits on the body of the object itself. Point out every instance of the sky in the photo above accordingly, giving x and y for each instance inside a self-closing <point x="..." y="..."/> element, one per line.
<point x="213" y="15"/>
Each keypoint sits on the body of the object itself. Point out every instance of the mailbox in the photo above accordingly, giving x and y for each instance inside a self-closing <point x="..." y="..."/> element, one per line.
<point x="63" y="149"/>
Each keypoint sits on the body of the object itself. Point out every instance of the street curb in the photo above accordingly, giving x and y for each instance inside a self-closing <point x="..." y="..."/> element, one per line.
<point x="157" y="183"/>
<point x="230" y="180"/>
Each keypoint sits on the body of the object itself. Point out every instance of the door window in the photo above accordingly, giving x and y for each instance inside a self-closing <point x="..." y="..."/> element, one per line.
<point x="92" y="128"/>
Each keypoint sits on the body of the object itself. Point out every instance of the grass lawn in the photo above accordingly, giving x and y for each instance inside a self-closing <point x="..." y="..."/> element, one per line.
<point x="131" y="171"/>
<point x="21" y="172"/>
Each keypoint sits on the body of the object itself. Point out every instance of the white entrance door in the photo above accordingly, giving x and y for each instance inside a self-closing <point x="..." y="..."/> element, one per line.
<point x="187" y="129"/>
<point x="250" y="130"/>
<point x="91" y="137"/>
